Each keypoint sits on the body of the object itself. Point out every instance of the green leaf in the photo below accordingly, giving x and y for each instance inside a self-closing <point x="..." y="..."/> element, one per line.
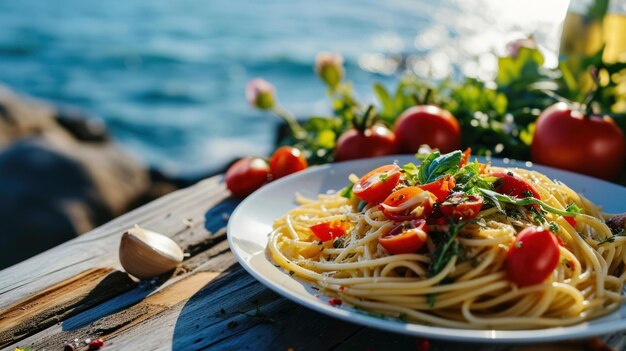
<point x="524" y="202"/>
<point x="411" y="173"/>
<point x="449" y="249"/>
<point x="436" y="166"/>
<point x="385" y="100"/>
<point x="572" y="207"/>
<point x="347" y="191"/>
<point x="470" y="181"/>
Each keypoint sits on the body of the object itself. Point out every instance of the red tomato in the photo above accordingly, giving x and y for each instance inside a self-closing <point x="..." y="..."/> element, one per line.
<point x="421" y="204"/>
<point x="246" y="176"/>
<point x="374" y="141"/>
<point x="461" y="206"/>
<point x="570" y="220"/>
<point x="441" y="187"/>
<point x="376" y="185"/>
<point x="401" y="240"/>
<point x="532" y="257"/>
<point x="329" y="230"/>
<point x="429" y="125"/>
<point x="512" y="184"/>
<point x="287" y="160"/>
<point x="567" y="139"/>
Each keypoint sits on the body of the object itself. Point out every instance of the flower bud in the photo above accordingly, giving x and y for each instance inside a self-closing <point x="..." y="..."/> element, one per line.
<point x="329" y="67"/>
<point x="260" y="94"/>
<point x="513" y="47"/>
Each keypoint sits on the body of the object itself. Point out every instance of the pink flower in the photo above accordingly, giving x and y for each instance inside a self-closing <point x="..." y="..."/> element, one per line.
<point x="329" y="67"/>
<point x="513" y="47"/>
<point x="260" y="94"/>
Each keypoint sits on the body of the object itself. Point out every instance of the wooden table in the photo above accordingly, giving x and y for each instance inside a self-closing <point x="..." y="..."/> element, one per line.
<point x="77" y="291"/>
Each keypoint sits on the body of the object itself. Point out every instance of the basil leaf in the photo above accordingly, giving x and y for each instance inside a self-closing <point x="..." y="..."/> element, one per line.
<point x="436" y="166"/>
<point x="347" y="192"/>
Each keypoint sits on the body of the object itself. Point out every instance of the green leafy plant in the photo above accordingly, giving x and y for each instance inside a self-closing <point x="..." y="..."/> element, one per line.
<point x="496" y="118"/>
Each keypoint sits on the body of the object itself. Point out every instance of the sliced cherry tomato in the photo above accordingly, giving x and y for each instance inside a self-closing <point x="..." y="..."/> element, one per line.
<point x="376" y="185"/>
<point x="462" y="206"/>
<point x="532" y="257"/>
<point x="329" y="230"/>
<point x="246" y="176"/>
<point x="405" y="239"/>
<point x="466" y="156"/>
<point x="421" y="204"/>
<point x="512" y="184"/>
<point x="441" y="187"/>
<point x="570" y="220"/>
<point x="287" y="160"/>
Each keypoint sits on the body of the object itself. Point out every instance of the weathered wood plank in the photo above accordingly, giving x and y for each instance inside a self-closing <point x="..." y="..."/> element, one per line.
<point x="60" y="301"/>
<point x="134" y="306"/>
<point x="198" y="224"/>
<point x="98" y="248"/>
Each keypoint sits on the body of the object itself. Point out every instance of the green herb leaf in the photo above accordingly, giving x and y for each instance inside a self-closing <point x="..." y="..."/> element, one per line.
<point x="469" y="180"/>
<point x="347" y="192"/>
<point x="572" y="207"/>
<point x="449" y="249"/>
<point x="431" y="300"/>
<point x="554" y="228"/>
<point x="385" y="100"/>
<point x="436" y="166"/>
<point x="338" y="243"/>
<point x="411" y="172"/>
<point x="496" y="197"/>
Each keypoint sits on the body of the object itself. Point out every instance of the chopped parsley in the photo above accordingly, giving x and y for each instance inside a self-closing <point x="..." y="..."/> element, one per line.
<point x="383" y="177"/>
<point x="573" y="208"/>
<point x="338" y="243"/>
<point x="411" y="172"/>
<point x="554" y="228"/>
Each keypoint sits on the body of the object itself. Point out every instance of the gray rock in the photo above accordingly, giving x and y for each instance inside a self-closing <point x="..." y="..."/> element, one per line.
<point x="58" y="179"/>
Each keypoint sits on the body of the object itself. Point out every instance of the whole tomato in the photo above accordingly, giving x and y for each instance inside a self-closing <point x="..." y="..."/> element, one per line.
<point x="374" y="141"/>
<point x="427" y="124"/>
<point x="287" y="160"/>
<point x="246" y="176"/>
<point x="568" y="139"/>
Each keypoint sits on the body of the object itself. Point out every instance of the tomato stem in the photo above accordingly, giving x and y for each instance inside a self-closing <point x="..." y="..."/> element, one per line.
<point x="587" y="105"/>
<point x="366" y="120"/>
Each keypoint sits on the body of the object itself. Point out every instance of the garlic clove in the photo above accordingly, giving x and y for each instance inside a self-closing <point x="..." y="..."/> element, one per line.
<point x="146" y="254"/>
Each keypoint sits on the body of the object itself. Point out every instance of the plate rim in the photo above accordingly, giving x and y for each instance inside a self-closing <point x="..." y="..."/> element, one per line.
<point x="576" y="331"/>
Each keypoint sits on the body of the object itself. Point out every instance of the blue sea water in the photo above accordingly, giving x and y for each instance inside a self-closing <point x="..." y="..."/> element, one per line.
<point x="168" y="77"/>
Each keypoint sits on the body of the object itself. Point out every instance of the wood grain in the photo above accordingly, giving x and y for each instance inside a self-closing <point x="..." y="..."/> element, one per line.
<point x="60" y="301"/>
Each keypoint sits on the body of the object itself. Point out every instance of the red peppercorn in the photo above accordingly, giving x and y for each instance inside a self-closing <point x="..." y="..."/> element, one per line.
<point x="423" y="344"/>
<point x="96" y="344"/>
<point x="335" y="302"/>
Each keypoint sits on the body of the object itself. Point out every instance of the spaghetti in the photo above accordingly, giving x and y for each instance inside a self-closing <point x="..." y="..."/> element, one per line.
<point x="462" y="272"/>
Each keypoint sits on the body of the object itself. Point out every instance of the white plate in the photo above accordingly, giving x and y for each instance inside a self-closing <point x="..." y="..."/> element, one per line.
<point x="251" y="222"/>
